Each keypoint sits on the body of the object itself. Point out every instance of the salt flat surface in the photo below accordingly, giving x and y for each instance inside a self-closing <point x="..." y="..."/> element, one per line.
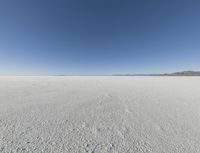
<point x="100" y="114"/>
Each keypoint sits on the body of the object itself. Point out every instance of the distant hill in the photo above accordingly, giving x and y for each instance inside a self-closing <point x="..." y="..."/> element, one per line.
<point x="184" y="73"/>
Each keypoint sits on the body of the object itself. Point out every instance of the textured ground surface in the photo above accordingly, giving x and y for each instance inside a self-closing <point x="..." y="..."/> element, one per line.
<point x="100" y="114"/>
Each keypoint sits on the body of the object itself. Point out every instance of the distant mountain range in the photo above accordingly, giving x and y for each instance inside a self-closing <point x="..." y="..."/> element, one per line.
<point x="182" y="73"/>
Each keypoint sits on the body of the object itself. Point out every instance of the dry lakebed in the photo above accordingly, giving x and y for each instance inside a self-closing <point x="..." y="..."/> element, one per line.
<point x="99" y="114"/>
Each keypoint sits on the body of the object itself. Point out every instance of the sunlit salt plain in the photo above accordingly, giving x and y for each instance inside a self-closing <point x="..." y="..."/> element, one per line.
<point x="104" y="114"/>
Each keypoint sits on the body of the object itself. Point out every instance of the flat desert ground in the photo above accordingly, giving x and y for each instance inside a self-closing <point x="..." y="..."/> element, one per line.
<point x="99" y="114"/>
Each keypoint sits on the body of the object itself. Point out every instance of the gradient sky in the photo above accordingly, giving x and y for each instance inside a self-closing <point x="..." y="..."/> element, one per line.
<point x="47" y="37"/>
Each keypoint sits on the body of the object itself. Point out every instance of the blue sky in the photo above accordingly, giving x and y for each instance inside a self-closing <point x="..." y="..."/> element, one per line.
<point x="52" y="37"/>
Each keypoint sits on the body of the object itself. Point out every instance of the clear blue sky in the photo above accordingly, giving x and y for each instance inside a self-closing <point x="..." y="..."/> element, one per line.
<point x="46" y="37"/>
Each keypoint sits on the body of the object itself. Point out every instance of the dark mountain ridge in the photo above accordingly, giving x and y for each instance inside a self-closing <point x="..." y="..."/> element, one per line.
<point x="184" y="73"/>
<point x="181" y="73"/>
